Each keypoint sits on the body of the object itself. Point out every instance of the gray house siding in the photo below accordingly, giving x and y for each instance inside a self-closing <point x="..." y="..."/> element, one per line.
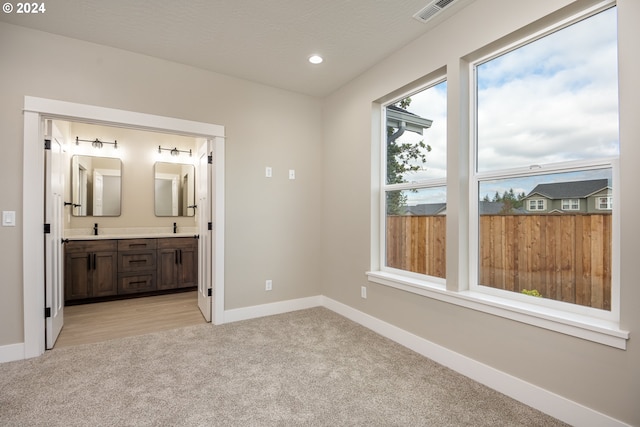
<point x="560" y="197"/>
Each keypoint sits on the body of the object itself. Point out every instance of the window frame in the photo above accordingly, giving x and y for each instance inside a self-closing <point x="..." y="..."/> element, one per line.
<point x="570" y="204"/>
<point x="536" y="207"/>
<point x="438" y="282"/>
<point x="474" y="243"/>
<point x="609" y="203"/>
<point x="580" y="322"/>
<point x="476" y="176"/>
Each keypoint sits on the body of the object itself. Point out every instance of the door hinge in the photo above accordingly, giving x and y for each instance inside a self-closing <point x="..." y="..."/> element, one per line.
<point x="210" y="226"/>
<point x="209" y="292"/>
<point x="47" y="144"/>
<point x="47" y="228"/>
<point x="47" y="312"/>
<point x="210" y="159"/>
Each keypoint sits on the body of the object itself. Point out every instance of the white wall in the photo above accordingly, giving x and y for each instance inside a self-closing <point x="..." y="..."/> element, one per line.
<point x="272" y="226"/>
<point x="600" y="377"/>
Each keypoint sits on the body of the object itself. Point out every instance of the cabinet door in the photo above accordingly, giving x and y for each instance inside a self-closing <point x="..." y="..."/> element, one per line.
<point x="188" y="266"/>
<point x="105" y="274"/>
<point x="77" y="275"/>
<point x="167" y="272"/>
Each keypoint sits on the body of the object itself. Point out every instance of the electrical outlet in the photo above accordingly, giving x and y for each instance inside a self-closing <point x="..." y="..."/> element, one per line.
<point x="363" y="292"/>
<point x="268" y="172"/>
<point x="268" y="285"/>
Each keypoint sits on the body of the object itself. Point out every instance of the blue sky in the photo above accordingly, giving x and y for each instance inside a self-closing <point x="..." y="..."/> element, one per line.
<point x="551" y="101"/>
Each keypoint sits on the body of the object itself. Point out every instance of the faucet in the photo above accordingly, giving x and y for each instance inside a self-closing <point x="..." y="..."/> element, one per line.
<point x="175" y="228"/>
<point x="95" y="229"/>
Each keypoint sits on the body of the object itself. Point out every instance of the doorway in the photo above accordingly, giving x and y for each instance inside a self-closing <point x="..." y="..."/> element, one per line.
<point x="35" y="113"/>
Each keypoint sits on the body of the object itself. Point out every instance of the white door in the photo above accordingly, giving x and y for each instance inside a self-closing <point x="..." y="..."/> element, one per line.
<point x="98" y="190"/>
<point x="203" y="196"/>
<point x="54" y="211"/>
<point x="175" y="191"/>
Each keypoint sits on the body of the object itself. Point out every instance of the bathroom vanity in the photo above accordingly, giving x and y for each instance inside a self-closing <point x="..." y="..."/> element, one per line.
<point x="99" y="269"/>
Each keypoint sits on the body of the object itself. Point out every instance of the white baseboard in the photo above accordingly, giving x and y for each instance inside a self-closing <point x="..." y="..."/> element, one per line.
<point x="543" y="400"/>
<point x="11" y="352"/>
<point x="263" y="310"/>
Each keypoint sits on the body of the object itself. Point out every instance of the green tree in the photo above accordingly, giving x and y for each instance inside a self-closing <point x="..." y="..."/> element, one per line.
<point x="402" y="158"/>
<point x="509" y="199"/>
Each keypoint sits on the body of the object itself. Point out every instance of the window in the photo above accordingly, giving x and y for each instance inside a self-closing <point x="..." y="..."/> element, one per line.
<point x="541" y="243"/>
<point x="415" y="191"/>
<point x="547" y="125"/>
<point x="537" y="205"/>
<point x="570" y="204"/>
<point x="605" y="203"/>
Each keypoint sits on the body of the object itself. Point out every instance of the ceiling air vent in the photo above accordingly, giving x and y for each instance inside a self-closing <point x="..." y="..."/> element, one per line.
<point x="431" y="10"/>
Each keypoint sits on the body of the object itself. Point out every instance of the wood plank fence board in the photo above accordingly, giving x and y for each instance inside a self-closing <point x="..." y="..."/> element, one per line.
<point x="565" y="257"/>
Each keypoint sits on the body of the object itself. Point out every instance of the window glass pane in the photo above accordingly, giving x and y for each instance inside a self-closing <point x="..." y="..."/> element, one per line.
<point x="553" y="100"/>
<point x="561" y="254"/>
<point x="416" y="225"/>
<point x="416" y="136"/>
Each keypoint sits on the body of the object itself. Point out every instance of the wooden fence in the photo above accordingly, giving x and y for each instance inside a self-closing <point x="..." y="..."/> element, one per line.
<point x="564" y="257"/>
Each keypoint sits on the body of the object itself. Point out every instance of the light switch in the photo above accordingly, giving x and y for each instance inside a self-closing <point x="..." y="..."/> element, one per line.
<point x="8" y="218"/>
<point x="292" y="174"/>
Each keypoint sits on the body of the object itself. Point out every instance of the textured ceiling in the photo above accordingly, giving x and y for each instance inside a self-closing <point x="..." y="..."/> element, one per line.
<point x="266" y="41"/>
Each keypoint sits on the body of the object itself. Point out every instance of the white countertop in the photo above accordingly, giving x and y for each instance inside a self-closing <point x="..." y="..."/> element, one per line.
<point x="128" y="233"/>
<point x="127" y="236"/>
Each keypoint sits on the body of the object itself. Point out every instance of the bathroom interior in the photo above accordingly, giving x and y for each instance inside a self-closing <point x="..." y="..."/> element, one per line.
<point x="130" y="219"/>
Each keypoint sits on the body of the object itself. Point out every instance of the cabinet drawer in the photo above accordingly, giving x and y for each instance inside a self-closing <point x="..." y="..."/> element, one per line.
<point x="136" y="244"/>
<point x="176" y="242"/>
<point x="136" y="261"/>
<point x="91" y="246"/>
<point x="131" y="284"/>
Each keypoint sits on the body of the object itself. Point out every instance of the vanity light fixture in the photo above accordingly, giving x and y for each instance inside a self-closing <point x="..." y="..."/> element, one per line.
<point x="96" y="143"/>
<point x="174" y="151"/>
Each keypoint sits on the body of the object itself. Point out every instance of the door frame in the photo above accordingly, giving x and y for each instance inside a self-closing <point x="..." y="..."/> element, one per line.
<point x="33" y="262"/>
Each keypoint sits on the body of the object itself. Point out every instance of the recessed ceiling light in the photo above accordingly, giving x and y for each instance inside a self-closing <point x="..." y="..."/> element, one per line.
<point x="315" y="59"/>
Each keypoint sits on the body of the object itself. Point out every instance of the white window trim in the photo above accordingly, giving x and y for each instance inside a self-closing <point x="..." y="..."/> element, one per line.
<point x="556" y="311"/>
<point x="569" y="203"/>
<point x="384" y="188"/>
<point x="537" y="203"/>
<point x="609" y="203"/>
<point x="585" y="327"/>
<point x="565" y="318"/>
<point x="475" y="177"/>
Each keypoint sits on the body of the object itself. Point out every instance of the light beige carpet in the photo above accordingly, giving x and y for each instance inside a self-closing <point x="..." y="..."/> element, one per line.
<point x="306" y="368"/>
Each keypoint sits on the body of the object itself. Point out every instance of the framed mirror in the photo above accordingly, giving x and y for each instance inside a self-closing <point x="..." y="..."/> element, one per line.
<point x="175" y="189"/>
<point x="96" y="186"/>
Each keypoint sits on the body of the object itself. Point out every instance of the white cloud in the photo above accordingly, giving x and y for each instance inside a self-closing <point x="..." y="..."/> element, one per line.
<point x="553" y="100"/>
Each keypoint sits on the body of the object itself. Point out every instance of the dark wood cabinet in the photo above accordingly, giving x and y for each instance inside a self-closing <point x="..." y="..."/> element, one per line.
<point x="106" y="268"/>
<point x="91" y="269"/>
<point x="177" y="263"/>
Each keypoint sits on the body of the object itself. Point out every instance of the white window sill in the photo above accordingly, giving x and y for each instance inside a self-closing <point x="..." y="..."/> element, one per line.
<point x="584" y="327"/>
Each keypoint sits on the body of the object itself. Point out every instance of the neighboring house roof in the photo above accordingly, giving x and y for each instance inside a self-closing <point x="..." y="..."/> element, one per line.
<point x="426" y="209"/>
<point x="571" y="189"/>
